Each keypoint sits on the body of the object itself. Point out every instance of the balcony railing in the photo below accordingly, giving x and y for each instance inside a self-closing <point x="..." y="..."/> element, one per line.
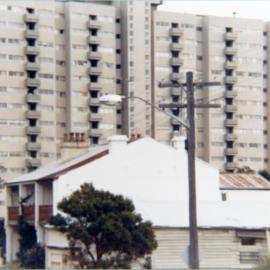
<point x="30" y="17"/>
<point x="32" y="130"/>
<point x="176" y="32"/>
<point x="31" y="33"/>
<point x="230" y="36"/>
<point x="230" y="108"/>
<point x="94" y="40"/>
<point x="230" y="137"/>
<point x="94" y="86"/>
<point x="33" y="50"/>
<point x="13" y="213"/>
<point x="95" y="117"/>
<point x="94" y="55"/>
<point x="95" y="132"/>
<point x="32" y="66"/>
<point x="33" y="98"/>
<point x="231" y="165"/>
<point x="94" y="24"/>
<point x="94" y="70"/>
<point x="45" y="213"/>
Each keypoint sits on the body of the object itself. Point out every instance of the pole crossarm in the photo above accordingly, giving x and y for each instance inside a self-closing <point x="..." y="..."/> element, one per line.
<point x="181" y="106"/>
<point x="195" y="84"/>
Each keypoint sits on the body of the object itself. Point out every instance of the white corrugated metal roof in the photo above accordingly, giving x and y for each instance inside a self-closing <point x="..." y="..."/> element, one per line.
<point x="58" y="166"/>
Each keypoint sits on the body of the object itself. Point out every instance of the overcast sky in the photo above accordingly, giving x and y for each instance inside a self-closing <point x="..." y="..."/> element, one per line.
<point x="243" y="8"/>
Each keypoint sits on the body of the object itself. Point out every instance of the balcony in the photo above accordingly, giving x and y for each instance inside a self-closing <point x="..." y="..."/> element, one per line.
<point x="33" y="146"/>
<point x="32" y="130"/>
<point x="230" y="51"/>
<point x="176" y="47"/>
<point x="32" y="50"/>
<point x="230" y="122"/>
<point x="174" y="76"/>
<point x="230" y="36"/>
<point x="45" y="213"/>
<point x="94" y="40"/>
<point x="230" y="137"/>
<point x="94" y="24"/>
<point x="95" y="132"/>
<point x="94" y="86"/>
<point x="230" y="64"/>
<point x="94" y="55"/>
<point x="178" y="32"/>
<point x="32" y="82"/>
<point x="94" y="101"/>
<point x="33" y="162"/>
<point x="230" y="108"/>
<point x="231" y="151"/>
<point x="29" y="212"/>
<point x="13" y="213"/>
<point x="31" y="17"/>
<point x="230" y="80"/>
<point x="32" y="114"/>
<point x="32" y="98"/>
<point x="31" y="33"/>
<point x="176" y="61"/>
<point x="231" y="165"/>
<point x="94" y="71"/>
<point x="230" y="94"/>
<point x="175" y="91"/>
<point x="32" y="66"/>
<point x="95" y="117"/>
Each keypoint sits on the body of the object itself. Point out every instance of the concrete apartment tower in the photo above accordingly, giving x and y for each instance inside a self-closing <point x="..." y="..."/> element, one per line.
<point x="57" y="57"/>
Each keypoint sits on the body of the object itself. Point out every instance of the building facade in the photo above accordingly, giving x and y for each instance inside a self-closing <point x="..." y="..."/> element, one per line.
<point x="234" y="235"/>
<point x="57" y="57"/>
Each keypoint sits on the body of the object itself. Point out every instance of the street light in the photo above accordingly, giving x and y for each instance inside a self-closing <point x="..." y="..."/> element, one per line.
<point x="112" y="100"/>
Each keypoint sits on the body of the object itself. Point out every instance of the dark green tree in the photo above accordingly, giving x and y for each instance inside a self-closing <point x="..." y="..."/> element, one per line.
<point x="30" y="254"/>
<point x="103" y="229"/>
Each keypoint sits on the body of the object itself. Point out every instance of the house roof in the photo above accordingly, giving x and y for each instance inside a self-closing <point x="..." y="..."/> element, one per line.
<point x="61" y="166"/>
<point x="243" y="181"/>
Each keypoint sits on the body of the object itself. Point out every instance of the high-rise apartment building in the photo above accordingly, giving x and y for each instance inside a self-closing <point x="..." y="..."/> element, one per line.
<point x="57" y="57"/>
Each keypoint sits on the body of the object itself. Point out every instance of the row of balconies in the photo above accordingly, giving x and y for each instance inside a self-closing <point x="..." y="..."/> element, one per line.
<point x="44" y="212"/>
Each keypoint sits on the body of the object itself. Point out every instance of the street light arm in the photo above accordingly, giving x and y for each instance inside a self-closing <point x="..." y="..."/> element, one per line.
<point x="161" y="110"/>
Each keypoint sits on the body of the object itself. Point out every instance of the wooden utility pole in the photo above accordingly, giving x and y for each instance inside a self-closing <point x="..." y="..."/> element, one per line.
<point x="193" y="228"/>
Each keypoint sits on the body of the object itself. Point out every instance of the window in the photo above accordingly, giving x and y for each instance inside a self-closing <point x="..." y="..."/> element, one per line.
<point x="248" y="241"/>
<point x="199" y="28"/>
<point x="224" y="196"/>
<point x="46" y="76"/>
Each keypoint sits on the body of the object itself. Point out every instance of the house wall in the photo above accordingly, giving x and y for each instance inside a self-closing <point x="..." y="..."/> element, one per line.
<point x="248" y="195"/>
<point x="219" y="248"/>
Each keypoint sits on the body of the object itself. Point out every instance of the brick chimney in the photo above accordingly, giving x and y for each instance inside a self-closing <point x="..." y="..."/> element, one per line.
<point x="74" y="145"/>
<point x="178" y="142"/>
<point x="117" y="143"/>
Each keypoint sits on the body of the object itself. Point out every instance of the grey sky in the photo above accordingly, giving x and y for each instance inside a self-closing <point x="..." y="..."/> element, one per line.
<point x="244" y="9"/>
